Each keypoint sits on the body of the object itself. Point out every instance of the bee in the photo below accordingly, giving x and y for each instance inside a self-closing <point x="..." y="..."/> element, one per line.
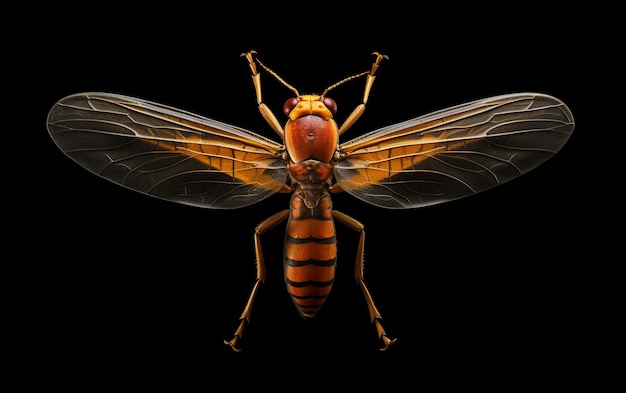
<point x="189" y="159"/>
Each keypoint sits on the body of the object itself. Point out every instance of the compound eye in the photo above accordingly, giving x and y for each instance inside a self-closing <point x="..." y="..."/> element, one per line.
<point x="331" y="105"/>
<point x="289" y="105"/>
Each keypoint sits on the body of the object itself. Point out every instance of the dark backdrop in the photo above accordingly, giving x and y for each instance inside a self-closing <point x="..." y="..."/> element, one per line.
<point x="474" y="290"/>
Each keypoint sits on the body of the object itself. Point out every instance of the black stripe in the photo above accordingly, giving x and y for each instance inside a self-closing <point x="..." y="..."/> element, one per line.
<point x="313" y="217"/>
<point x="309" y="296"/>
<point x="313" y="307"/>
<point x="328" y="240"/>
<point x="301" y="284"/>
<point x="291" y="262"/>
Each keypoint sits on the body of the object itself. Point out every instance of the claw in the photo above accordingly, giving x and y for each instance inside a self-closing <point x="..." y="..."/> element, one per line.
<point x="379" y="58"/>
<point x="232" y="343"/>
<point x="249" y="53"/>
<point x="383" y="335"/>
<point x="250" y="58"/>
<point x="388" y="342"/>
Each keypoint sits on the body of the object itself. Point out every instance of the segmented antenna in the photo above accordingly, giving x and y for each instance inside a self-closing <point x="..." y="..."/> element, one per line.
<point x="329" y="88"/>
<point x="278" y="78"/>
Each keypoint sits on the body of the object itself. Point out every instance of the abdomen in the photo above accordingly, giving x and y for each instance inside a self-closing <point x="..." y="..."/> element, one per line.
<point x="310" y="252"/>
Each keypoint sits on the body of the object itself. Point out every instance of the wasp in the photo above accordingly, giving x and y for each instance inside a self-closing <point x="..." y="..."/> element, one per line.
<point x="182" y="157"/>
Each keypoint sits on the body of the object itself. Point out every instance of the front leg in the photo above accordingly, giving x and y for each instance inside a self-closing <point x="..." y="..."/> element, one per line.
<point x="264" y="109"/>
<point x="358" y="111"/>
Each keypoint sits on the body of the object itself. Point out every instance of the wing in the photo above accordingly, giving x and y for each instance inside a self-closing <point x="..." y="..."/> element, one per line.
<point x="454" y="152"/>
<point x="166" y="152"/>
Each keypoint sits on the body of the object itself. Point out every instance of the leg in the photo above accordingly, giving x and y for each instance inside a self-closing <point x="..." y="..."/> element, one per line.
<point x="263" y="227"/>
<point x="265" y="111"/>
<point x="358" y="274"/>
<point x="358" y="111"/>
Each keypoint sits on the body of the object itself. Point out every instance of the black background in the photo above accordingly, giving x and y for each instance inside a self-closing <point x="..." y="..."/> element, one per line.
<point x="477" y="291"/>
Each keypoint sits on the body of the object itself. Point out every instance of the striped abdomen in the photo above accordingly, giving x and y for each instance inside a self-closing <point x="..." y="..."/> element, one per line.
<point x="310" y="249"/>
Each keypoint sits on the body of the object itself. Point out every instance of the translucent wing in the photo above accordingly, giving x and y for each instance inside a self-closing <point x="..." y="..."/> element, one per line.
<point x="455" y="152"/>
<point x="166" y="152"/>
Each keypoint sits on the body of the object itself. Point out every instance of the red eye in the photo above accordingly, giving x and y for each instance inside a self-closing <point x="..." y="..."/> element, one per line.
<point x="289" y="105"/>
<point x="331" y="105"/>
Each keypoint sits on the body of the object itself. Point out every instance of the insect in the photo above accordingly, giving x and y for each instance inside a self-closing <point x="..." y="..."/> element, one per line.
<point x="189" y="159"/>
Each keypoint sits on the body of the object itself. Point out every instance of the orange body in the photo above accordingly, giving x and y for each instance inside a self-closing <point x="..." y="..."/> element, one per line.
<point x="310" y="251"/>
<point x="193" y="160"/>
<point x="311" y="137"/>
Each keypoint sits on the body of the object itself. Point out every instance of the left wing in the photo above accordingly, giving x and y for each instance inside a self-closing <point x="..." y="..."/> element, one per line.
<point x="165" y="152"/>
<point x="454" y="152"/>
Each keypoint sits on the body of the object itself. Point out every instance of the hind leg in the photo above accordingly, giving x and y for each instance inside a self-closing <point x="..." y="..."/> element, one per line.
<point x="263" y="227"/>
<point x="358" y="274"/>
